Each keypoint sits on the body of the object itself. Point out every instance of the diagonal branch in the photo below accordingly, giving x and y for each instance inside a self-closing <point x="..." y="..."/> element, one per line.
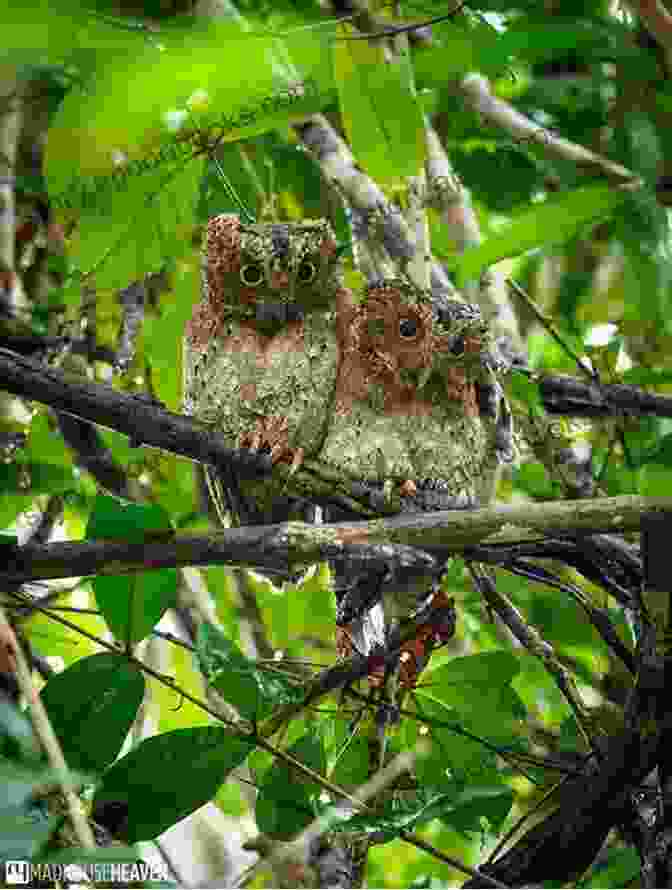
<point x="143" y="421"/>
<point x="475" y="89"/>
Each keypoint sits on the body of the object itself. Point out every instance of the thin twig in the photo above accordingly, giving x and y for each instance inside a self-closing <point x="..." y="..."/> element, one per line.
<point x="551" y="328"/>
<point x="404" y="29"/>
<point x="51" y="746"/>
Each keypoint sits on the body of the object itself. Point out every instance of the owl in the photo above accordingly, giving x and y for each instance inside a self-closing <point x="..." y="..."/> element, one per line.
<point x="260" y="350"/>
<point x="419" y="409"/>
<point x="414" y="396"/>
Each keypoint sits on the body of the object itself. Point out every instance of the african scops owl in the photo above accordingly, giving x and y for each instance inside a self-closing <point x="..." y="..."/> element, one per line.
<point x="417" y="401"/>
<point x="418" y="412"/>
<point x="260" y="350"/>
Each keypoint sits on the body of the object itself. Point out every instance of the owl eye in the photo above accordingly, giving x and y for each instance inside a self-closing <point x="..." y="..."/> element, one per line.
<point x="252" y="274"/>
<point x="307" y="272"/>
<point x="408" y="327"/>
<point x="458" y="346"/>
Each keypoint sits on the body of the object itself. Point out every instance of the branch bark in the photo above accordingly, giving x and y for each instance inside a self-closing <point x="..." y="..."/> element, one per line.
<point x="475" y="89"/>
<point x="142" y="420"/>
<point x="401" y="542"/>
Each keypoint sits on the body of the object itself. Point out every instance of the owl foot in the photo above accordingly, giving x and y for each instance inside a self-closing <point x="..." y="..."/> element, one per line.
<point x="270" y="436"/>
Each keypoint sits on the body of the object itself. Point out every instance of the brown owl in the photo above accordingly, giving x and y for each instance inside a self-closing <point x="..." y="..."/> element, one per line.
<point x="418" y="407"/>
<point x="409" y="408"/>
<point x="260" y="350"/>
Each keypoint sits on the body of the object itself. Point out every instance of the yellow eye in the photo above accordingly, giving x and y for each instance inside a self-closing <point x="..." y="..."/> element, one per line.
<point x="307" y="272"/>
<point x="252" y="274"/>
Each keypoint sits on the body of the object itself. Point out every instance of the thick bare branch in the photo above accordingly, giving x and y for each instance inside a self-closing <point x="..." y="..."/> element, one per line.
<point x="392" y="540"/>
<point x="143" y="421"/>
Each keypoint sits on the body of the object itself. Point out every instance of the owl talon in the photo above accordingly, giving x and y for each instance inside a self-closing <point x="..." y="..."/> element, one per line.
<point x="270" y="435"/>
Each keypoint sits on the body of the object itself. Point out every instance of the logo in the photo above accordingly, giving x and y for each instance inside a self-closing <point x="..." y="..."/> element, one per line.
<point x="17" y="872"/>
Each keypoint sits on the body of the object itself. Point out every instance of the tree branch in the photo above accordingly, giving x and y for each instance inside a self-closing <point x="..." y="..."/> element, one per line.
<point x="476" y="91"/>
<point x="567" y="395"/>
<point x="144" y="422"/>
<point x="401" y="542"/>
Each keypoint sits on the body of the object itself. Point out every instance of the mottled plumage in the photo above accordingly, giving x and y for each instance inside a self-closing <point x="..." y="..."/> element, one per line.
<point x="408" y="407"/>
<point x="260" y="351"/>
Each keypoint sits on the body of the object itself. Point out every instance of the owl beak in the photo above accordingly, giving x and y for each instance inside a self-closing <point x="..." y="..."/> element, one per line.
<point x="279" y="280"/>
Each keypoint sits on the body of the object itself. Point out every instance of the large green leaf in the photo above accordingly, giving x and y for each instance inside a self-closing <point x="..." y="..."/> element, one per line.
<point x="457" y="51"/>
<point x="169" y="776"/>
<point x="463" y="807"/>
<point x="283" y="805"/>
<point x="150" y="108"/>
<point x="133" y="231"/>
<point x="132" y="604"/>
<point x="381" y="113"/>
<point x="164" y="333"/>
<point x="254" y="692"/>
<point x="51" y="31"/>
<point x="553" y="222"/>
<point x="476" y="688"/>
<point x="598" y="40"/>
<point x="92" y="706"/>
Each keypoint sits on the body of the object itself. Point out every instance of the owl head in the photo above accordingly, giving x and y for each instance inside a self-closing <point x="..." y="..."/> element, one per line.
<point x="270" y="272"/>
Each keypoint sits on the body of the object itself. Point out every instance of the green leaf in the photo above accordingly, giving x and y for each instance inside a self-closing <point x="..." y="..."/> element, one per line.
<point x="644" y="376"/>
<point x="92" y="706"/>
<point x="527" y="391"/>
<point x="145" y="225"/>
<point x="38" y="478"/>
<point x="533" y="478"/>
<point x="51" y="32"/>
<point x="24" y="831"/>
<point x="283" y="806"/>
<point x="282" y="809"/>
<point x="45" y="443"/>
<point x="475" y="686"/>
<point x="620" y="868"/>
<point x="380" y="111"/>
<point x="132" y="604"/>
<point x="458" y="51"/>
<point x="655" y="480"/>
<point x="158" y="106"/>
<point x="492" y="802"/>
<point x="17" y="740"/>
<point x="352" y="767"/>
<point x="486" y="670"/>
<point x="645" y="154"/>
<point x="253" y="691"/>
<point x="553" y="222"/>
<point x="462" y="807"/>
<point x="169" y="776"/>
<point x="163" y="334"/>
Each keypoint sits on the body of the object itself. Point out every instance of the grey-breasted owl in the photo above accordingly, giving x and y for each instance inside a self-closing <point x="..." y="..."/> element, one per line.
<point x="260" y="350"/>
